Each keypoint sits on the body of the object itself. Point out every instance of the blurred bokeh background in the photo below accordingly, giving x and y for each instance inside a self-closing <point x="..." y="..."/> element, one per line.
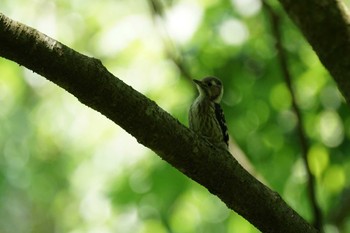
<point x="67" y="168"/>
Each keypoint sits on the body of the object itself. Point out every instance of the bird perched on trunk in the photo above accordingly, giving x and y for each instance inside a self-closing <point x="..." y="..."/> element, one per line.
<point x="206" y="116"/>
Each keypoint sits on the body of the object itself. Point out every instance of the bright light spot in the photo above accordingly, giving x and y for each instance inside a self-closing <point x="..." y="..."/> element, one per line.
<point x="152" y="225"/>
<point x="95" y="208"/>
<point x="298" y="172"/>
<point x="123" y="33"/>
<point x="318" y="159"/>
<point x="182" y="21"/>
<point x="185" y="217"/>
<point x="247" y="7"/>
<point x="127" y="222"/>
<point x="34" y="80"/>
<point x="139" y="182"/>
<point x="238" y="224"/>
<point x="233" y="32"/>
<point x="330" y="97"/>
<point x="331" y="229"/>
<point x="126" y="152"/>
<point x="308" y="86"/>
<point x="331" y="129"/>
<point x="48" y="22"/>
<point x="211" y="209"/>
<point x="287" y="120"/>
<point x="280" y="97"/>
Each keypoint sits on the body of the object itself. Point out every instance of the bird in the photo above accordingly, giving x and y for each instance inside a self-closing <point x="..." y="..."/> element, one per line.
<point x="206" y="116"/>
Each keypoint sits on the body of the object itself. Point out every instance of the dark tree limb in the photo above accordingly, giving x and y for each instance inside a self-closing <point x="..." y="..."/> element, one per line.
<point x="91" y="83"/>
<point x="326" y="26"/>
<point x="304" y="144"/>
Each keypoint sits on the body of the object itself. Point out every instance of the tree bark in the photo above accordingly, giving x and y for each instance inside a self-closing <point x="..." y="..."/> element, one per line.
<point x="326" y="26"/>
<point x="91" y="83"/>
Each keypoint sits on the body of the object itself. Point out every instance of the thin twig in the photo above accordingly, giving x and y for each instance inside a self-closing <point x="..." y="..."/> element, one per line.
<point x="171" y="49"/>
<point x="275" y="22"/>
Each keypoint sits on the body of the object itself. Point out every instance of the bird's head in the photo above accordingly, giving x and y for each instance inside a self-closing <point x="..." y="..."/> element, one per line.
<point x="211" y="88"/>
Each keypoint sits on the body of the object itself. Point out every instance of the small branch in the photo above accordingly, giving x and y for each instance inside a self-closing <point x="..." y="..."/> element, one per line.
<point x="172" y="50"/>
<point x="282" y="58"/>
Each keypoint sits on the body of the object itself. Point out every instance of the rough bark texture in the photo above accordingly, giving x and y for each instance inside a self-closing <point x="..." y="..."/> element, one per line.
<point x="325" y="24"/>
<point x="89" y="81"/>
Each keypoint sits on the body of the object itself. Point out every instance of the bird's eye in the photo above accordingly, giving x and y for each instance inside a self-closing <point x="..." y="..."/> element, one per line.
<point x="210" y="84"/>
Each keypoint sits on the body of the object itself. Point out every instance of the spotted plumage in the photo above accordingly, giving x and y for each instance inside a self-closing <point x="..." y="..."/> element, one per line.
<point x="206" y="116"/>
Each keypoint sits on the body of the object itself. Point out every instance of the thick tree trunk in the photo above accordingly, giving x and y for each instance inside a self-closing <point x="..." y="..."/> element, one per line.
<point x="326" y="25"/>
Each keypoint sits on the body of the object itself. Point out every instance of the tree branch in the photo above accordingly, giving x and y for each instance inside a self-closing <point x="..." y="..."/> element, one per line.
<point x="304" y="145"/>
<point x="172" y="50"/>
<point x="325" y="24"/>
<point x="89" y="81"/>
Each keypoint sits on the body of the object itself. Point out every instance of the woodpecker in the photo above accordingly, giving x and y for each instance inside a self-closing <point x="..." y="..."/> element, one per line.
<point x="206" y="116"/>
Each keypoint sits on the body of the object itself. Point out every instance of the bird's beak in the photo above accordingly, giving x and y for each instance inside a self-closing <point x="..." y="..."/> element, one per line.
<point x="198" y="82"/>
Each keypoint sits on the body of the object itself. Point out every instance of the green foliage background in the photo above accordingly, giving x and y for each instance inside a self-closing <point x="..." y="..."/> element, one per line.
<point x="66" y="168"/>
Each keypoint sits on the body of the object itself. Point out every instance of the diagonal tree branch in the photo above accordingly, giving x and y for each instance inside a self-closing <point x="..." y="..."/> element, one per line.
<point x="88" y="80"/>
<point x="326" y="25"/>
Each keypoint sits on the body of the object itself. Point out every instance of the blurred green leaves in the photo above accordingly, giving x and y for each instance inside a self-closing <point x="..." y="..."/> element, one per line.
<point x="318" y="159"/>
